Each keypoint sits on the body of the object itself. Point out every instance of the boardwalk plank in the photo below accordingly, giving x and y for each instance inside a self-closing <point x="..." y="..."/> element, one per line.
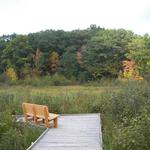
<point x="75" y="132"/>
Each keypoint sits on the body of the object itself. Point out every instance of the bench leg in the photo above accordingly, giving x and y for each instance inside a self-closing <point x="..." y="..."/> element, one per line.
<point x="35" y="120"/>
<point x="55" y="122"/>
<point x="26" y="118"/>
<point x="46" y="122"/>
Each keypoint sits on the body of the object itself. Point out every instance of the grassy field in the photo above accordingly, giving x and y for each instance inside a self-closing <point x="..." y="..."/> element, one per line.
<point x="54" y="96"/>
<point x="124" y="111"/>
<point x="57" y="90"/>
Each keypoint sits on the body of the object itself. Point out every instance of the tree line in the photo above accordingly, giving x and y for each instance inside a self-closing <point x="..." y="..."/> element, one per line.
<point x="84" y="55"/>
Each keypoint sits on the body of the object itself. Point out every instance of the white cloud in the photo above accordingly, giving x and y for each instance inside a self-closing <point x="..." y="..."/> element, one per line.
<point x="24" y="16"/>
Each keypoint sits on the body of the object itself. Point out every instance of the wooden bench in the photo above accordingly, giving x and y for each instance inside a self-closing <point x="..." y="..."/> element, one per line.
<point x="39" y="113"/>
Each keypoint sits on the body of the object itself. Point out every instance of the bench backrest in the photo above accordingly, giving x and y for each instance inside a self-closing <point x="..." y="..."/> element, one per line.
<point x="41" y="111"/>
<point x="28" y="109"/>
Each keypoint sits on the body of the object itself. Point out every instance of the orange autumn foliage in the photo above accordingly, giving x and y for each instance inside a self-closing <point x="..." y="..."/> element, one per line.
<point x="129" y="71"/>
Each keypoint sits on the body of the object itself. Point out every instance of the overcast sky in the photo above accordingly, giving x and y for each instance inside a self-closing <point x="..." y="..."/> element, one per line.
<point x="25" y="16"/>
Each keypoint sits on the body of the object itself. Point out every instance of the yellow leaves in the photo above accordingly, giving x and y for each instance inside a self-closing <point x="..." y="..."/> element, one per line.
<point x="129" y="71"/>
<point x="53" y="61"/>
<point x="127" y="74"/>
<point x="54" y="57"/>
<point x="10" y="72"/>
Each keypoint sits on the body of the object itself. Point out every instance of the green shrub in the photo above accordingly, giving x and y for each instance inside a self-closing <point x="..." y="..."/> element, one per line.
<point x="4" y="78"/>
<point x="16" y="136"/>
<point x="127" y="112"/>
<point x="54" y="80"/>
<point x="136" y="135"/>
<point x="104" y="82"/>
<point x="59" y="80"/>
<point x="19" y="137"/>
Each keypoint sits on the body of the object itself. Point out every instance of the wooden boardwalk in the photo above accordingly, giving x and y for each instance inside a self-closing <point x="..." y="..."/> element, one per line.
<point x="74" y="132"/>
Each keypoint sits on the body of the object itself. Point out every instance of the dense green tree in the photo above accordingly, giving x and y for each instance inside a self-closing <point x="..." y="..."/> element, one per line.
<point x="17" y="53"/>
<point x="2" y="47"/>
<point x="139" y="51"/>
<point x="48" y="40"/>
<point x="68" y="65"/>
<point x="103" y="54"/>
<point x="95" y="51"/>
<point x="137" y="43"/>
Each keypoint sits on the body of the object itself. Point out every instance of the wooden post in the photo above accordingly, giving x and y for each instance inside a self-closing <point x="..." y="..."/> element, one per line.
<point x="55" y="122"/>
<point x="46" y="118"/>
<point x="34" y="115"/>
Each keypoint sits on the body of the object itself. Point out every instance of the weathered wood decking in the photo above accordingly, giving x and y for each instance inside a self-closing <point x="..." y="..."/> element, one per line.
<point x="74" y="132"/>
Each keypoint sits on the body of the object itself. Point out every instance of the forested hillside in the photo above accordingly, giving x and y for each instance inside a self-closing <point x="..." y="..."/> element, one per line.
<point x="79" y="54"/>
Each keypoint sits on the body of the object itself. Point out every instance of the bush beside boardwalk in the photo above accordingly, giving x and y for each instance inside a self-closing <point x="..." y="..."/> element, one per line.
<point x="124" y="108"/>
